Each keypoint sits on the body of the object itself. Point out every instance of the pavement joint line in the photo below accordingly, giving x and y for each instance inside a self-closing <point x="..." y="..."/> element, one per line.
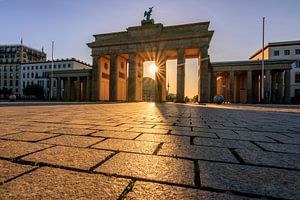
<point x="19" y="157"/>
<point x="128" y="189"/>
<point x="244" y="194"/>
<point x="274" y="139"/>
<point x="197" y="178"/>
<point x="158" y="148"/>
<point x="19" y="175"/>
<point x="192" y="140"/>
<point x="236" y="155"/>
<point x="135" y="138"/>
<point x="103" y="161"/>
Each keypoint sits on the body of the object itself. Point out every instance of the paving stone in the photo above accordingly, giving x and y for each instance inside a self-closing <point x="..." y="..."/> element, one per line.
<point x="110" y="128"/>
<point x="194" y="133"/>
<point x="150" y="167"/>
<point x="128" y="145"/>
<point x="10" y="170"/>
<point x="197" y="152"/>
<point x="278" y="183"/>
<point x="224" y="143"/>
<point x="81" y="158"/>
<point x="49" y="183"/>
<point x="165" y="138"/>
<point x="73" y="131"/>
<point x="117" y="134"/>
<point x="73" y="140"/>
<point x="250" y="136"/>
<point x="149" y="130"/>
<point x="13" y="149"/>
<point x="146" y="190"/>
<point x="29" y="136"/>
<point x="7" y="131"/>
<point x="276" y="147"/>
<point x="39" y="129"/>
<point x="270" y="158"/>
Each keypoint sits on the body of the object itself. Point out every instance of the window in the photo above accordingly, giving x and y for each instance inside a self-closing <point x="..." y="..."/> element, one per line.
<point x="36" y="67"/>
<point x="59" y="66"/>
<point x="27" y="75"/>
<point x="276" y="53"/>
<point x="23" y="84"/>
<point x="24" y="68"/>
<point x="286" y="52"/>
<point x="297" y="51"/>
<point x="64" y="65"/>
<point x="69" y="65"/>
<point x="41" y="67"/>
<point x="297" y="78"/>
<point x="32" y="75"/>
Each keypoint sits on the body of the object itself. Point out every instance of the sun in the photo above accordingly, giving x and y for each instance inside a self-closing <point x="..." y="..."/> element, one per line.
<point x="153" y="69"/>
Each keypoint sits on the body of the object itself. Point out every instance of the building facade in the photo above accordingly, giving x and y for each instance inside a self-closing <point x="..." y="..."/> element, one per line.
<point x="11" y="57"/>
<point x="40" y="73"/>
<point x="289" y="50"/>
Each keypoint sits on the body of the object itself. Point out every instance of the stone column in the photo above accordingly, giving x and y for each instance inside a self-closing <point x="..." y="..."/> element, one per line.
<point x="268" y="86"/>
<point x="78" y="89"/>
<point x="280" y="87"/>
<point x="88" y="89"/>
<point x="132" y="77"/>
<point x="255" y="87"/>
<point x="287" y="86"/>
<point x="96" y="79"/>
<point x="160" y="81"/>
<point x="273" y="88"/>
<point x="213" y="85"/>
<point x="113" y="78"/>
<point x="58" y="91"/>
<point x="238" y="88"/>
<point x="203" y="84"/>
<point x="180" y="75"/>
<point x="249" y="86"/>
<point x="68" y="89"/>
<point x="231" y="86"/>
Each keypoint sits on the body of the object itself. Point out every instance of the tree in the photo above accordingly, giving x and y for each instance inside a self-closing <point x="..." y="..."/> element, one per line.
<point x="5" y="92"/>
<point x="186" y="99"/>
<point x="34" y="90"/>
<point x="195" y="99"/>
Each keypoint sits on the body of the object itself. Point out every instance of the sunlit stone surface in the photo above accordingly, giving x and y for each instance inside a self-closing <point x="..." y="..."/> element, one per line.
<point x="149" y="151"/>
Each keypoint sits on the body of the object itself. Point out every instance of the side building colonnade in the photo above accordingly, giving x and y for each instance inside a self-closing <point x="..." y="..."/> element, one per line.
<point x="240" y="81"/>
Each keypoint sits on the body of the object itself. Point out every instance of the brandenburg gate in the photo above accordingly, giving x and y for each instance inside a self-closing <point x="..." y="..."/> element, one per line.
<point x="113" y="52"/>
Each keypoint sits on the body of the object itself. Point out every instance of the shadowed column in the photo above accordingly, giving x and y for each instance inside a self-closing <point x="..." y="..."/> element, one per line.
<point x="78" y="88"/>
<point x="113" y="78"/>
<point x="68" y="89"/>
<point x="231" y="86"/>
<point x="88" y="88"/>
<point x="180" y="75"/>
<point x="273" y="88"/>
<point x="280" y="87"/>
<point x="203" y="84"/>
<point x="58" y="91"/>
<point x="132" y="76"/>
<point x="249" y="86"/>
<point x="96" y="79"/>
<point x="213" y="85"/>
<point x="268" y="86"/>
<point x="287" y="86"/>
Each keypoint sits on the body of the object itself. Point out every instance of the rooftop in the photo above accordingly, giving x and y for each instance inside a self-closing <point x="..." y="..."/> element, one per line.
<point x="277" y="44"/>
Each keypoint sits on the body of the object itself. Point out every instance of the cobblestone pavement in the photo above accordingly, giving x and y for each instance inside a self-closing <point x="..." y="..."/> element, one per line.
<point x="149" y="151"/>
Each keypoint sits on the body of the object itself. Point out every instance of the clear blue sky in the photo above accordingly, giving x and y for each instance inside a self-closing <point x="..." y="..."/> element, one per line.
<point x="71" y="24"/>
